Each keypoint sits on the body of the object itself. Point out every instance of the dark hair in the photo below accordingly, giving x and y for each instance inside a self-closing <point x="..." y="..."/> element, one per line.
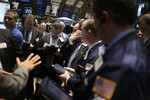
<point x="145" y="18"/>
<point x="121" y="11"/>
<point x="89" y="25"/>
<point x="57" y="26"/>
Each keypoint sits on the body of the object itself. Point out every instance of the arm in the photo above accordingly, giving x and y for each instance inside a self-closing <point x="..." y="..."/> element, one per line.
<point x="12" y="84"/>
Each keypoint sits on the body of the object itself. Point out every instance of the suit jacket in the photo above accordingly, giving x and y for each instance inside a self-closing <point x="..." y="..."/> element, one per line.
<point x="147" y="44"/>
<point x="126" y="64"/>
<point x="46" y="52"/>
<point x="36" y="34"/>
<point x="88" y="61"/>
<point x="9" y="50"/>
<point x="68" y="49"/>
<point x="12" y="84"/>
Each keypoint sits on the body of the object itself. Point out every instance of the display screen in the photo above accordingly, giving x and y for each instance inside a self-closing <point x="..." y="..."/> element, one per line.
<point x="76" y="10"/>
<point x="40" y="11"/>
<point x="65" y="14"/>
<point x="74" y="16"/>
<point x="4" y="7"/>
<point x="27" y="10"/>
<point x="41" y="2"/>
<point x="55" y="4"/>
<point x="67" y="7"/>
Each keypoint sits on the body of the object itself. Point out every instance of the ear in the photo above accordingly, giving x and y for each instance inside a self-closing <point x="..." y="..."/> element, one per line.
<point x="103" y="17"/>
<point x="89" y="33"/>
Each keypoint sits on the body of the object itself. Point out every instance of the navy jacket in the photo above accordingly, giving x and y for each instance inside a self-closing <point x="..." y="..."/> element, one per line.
<point x="126" y="63"/>
<point x="73" y="82"/>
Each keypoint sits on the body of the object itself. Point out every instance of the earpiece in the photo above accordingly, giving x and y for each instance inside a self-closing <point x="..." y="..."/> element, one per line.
<point x="102" y="19"/>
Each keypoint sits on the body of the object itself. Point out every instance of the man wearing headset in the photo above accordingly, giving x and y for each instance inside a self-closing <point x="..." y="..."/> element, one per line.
<point x="125" y="73"/>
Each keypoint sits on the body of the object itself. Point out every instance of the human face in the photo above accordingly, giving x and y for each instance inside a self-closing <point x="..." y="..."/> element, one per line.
<point x="100" y="28"/>
<point x="9" y="20"/>
<point x="145" y="29"/>
<point x="84" y="33"/>
<point x="43" y="27"/>
<point x="29" y="24"/>
<point x="55" y="33"/>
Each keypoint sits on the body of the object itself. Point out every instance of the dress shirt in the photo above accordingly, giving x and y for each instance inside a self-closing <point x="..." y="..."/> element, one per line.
<point x="17" y="34"/>
<point x="76" y="51"/>
<point x="28" y="35"/>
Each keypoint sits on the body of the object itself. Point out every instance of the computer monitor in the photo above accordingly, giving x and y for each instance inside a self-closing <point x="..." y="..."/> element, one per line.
<point x="40" y="11"/>
<point x="4" y="7"/>
<point x="27" y="10"/>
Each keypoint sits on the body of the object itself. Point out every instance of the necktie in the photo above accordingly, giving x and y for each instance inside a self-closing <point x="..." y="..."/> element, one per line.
<point x="27" y="36"/>
<point x="80" y="51"/>
<point x="76" y="52"/>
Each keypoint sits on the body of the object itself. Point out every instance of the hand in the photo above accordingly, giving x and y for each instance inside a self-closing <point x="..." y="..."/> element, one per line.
<point x="30" y="62"/>
<point x="70" y="69"/>
<point x="64" y="77"/>
<point x="76" y="36"/>
<point x="5" y="72"/>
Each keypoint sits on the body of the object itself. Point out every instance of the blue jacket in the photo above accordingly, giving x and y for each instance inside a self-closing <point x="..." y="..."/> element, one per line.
<point x="126" y="64"/>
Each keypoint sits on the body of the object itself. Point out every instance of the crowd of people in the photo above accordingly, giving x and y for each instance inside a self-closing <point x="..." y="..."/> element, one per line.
<point x="104" y="58"/>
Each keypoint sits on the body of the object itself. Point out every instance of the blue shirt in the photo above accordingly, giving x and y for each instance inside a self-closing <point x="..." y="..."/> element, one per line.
<point x="18" y="35"/>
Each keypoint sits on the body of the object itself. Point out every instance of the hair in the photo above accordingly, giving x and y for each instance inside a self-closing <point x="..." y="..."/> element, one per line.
<point x="62" y="24"/>
<point x="145" y="18"/>
<point x="14" y="12"/>
<point x="57" y="26"/>
<point x="89" y="25"/>
<point x="121" y="11"/>
<point x="30" y="16"/>
<point x="80" y="23"/>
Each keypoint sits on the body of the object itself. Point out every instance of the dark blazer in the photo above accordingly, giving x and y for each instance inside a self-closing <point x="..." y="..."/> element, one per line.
<point x="10" y="51"/>
<point x="36" y="34"/>
<point x="147" y="44"/>
<point x="67" y="49"/>
<point x="126" y="63"/>
<point x="74" y="83"/>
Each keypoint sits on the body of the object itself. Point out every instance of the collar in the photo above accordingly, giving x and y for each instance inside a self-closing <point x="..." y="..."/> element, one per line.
<point x="120" y="36"/>
<point x="90" y="48"/>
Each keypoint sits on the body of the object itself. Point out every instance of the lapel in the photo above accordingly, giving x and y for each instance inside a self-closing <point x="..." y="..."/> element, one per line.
<point x="48" y="38"/>
<point x="33" y="36"/>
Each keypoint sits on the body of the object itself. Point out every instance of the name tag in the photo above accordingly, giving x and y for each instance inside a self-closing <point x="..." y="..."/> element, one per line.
<point x="37" y="39"/>
<point x="3" y="45"/>
<point x="61" y="39"/>
<point x="88" y="67"/>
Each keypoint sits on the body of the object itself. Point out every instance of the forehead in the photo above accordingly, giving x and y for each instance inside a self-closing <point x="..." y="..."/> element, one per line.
<point x="9" y="14"/>
<point x="43" y="24"/>
<point x="83" y="25"/>
<point x="29" y="20"/>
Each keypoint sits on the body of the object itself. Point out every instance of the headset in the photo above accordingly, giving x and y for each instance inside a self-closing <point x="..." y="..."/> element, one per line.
<point x="102" y="19"/>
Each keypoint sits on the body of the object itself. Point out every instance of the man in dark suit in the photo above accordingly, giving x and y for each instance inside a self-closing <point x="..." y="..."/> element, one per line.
<point x="95" y="49"/>
<point x="9" y="50"/>
<point x="30" y="33"/>
<point x="31" y="36"/>
<point x="50" y="55"/>
<point x="13" y="83"/>
<point x="125" y="73"/>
